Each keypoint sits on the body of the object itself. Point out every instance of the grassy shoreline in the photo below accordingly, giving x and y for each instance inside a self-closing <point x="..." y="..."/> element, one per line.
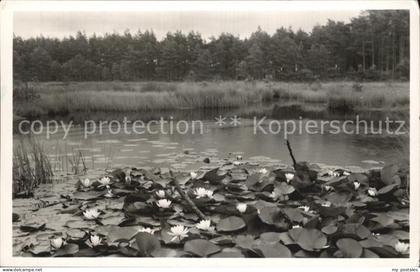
<point x="57" y="98"/>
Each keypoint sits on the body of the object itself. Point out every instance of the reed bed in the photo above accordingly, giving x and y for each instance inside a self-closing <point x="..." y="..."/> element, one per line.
<point x="31" y="167"/>
<point x="63" y="98"/>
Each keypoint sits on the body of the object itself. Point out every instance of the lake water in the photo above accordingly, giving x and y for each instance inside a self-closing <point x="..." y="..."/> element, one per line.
<point x="107" y="150"/>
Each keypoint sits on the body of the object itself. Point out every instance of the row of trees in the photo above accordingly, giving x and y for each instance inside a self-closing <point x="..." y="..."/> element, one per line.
<point x="373" y="45"/>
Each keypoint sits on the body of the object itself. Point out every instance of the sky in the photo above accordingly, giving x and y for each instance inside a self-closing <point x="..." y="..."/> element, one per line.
<point x="239" y="23"/>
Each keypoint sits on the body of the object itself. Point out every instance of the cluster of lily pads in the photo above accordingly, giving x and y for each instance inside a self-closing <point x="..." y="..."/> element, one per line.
<point x="236" y="210"/>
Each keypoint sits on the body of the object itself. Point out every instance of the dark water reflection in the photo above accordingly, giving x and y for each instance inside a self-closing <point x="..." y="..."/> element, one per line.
<point x="115" y="150"/>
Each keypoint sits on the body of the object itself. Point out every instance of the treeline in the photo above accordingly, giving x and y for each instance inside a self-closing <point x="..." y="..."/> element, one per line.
<point x="373" y="46"/>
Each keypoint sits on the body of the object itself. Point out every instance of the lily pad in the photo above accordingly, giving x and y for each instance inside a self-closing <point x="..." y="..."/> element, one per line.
<point x="69" y="249"/>
<point x="88" y="195"/>
<point x="121" y="233"/>
<point x="230" y="224"/>
<point x="273" y="251"/>
<point x="350" y="248"/>
<point x="201" y="247"/>
<point x="147" y="243"/>
<point x="308" y="239"/>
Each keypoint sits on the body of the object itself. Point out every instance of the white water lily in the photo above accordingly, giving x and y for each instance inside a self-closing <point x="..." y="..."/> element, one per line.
<point x="91" y="213"/>
<point x="333" y="174"/>
<point x="85" y="182"/>
<point x="148" y="230"/>
<point x="326" y="204"/>
<point x="109" y="194"/>
<point x="372" y="191"/>
<point x="304" y="208"/>
<point x="402" y="247"/>
<point x="193" y="175"/>
<point x="273" y="195"/>
<point x="178" y="232"/>
<point x="241" y="207"/>
<point x="57" y="243"/>
<point x="164" y="203"/>
<point x="239" y="157"/>
<point x="237" y="163"/>
<point x="204" y="225"/>
<point x="328" y="188"/>
<point x="202" y="192"/>
<point x="296" y="226"/>
<point x="127" y="179"/>
<point x="356" y="185"/>
<point x="160" y="194"/>
<point x="105" y="181"/>
<point x="345" y="173"/>
<point x="93" y="241"/>
<point x="263" y="171"/>
<point x="289" y="176"/>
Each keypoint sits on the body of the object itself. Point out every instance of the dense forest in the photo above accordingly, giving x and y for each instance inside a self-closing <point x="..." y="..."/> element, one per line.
<point x="372" y="46"/>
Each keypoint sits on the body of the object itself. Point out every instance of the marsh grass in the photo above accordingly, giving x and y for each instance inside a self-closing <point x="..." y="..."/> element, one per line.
<point x="31" y="167"/>
<point x="64" y="98"/>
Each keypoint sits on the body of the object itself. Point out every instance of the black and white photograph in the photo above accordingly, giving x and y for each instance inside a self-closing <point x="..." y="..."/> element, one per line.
<point x="211" y="132"/>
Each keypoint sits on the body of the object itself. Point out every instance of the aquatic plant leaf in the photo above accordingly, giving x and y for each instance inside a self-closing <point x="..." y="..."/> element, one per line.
<point x="273" y="251"/>
<point x="117" y="233"/>
<point x="201" y="247"/>
<point x="230" y="224"/>
<point x="308" y="239"/>
<point x="33" y="226"/>
<point x="387" y="189"/>
<point x="284" y="189"/>
<point x="66" y="250"/>
<point x="272" y="216"/>
<point x="350" y="248"/>
<point x="383" y="219"/>
<point x="229" y="253"/>
<point x="356" y="229"/>
<point x="89" y="195"/>
<point x="330" y="229"/>
<point x="147" y="243"/>
<point x="388" y="172"/>
<point x="270" y="237"/>
<point x="165" y="253"/>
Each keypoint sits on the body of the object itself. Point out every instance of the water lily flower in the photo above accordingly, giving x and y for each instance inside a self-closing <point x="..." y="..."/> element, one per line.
<point x="91" y="213"/>
<point x="328" y="188"/>
<point x="345" y="173"/>
<point x="193" y="175"/>
<point x="241" y="207"/>
<point x="296" y="226"/>
<point x="237" y="163"/>
<point x="263" y="171"/>
<point x="160" y="194"/>
<point x="202" y="192"/>
<point x="148" y="230"/>
<point x="304" y="208"/>
<point x="402" y="247"/>
<point x="372" y="191"/>
<point x="204" y="225"/>
<point x="289" y="176"/>
<point x="57" y="243"/>
<point x="178" y="232"/>
<point x="375" y="234"/>
<point x="93" y="241"/>
<point x="333" y="174"/>
<point x="326" y="204"/>
<point x="109" y="194"/>
<point x="239" y="158"/>
<point x="127" y="179"/>
<point x="273" y="195"/>
<point x="85" y="182"/>
<point x="356" y="185"/>
<point x="164" y="203"/>
<point x="105" y="181"/>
